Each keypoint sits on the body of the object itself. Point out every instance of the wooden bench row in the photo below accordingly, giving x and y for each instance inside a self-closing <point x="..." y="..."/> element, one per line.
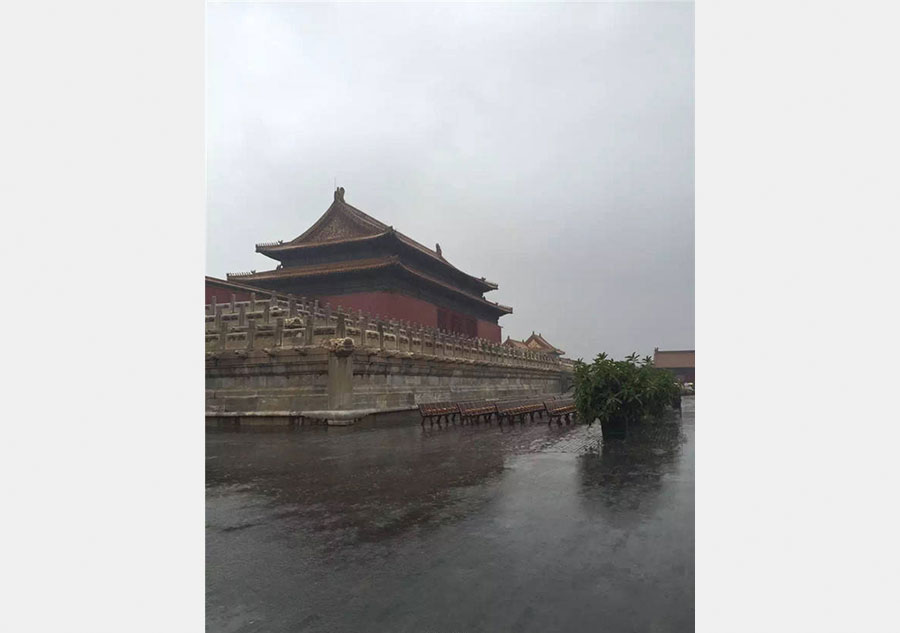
<point x="559" y="409"/>
<point x="438" y="410"/>
<point x="520" y="408"/>
<point x="472" y="411"/>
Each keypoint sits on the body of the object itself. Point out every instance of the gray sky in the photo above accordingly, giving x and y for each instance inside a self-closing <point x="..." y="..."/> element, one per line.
<point x="549" y="148"/>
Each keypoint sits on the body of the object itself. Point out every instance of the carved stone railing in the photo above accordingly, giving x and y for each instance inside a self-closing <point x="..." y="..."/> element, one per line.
<point x="274" y="324"/>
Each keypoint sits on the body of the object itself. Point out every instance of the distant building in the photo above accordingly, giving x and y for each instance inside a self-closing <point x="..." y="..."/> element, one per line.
<point x="679" y="362"/>
<point x="350" y="259"/>
<point x="535" y="343"/>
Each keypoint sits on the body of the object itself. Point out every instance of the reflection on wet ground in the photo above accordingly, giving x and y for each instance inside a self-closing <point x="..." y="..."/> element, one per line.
<point x="456" y="529"/>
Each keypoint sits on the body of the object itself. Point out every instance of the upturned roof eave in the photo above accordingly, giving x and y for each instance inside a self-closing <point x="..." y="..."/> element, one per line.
<point x="387" y="262"/>
<point x="272" y="250"/>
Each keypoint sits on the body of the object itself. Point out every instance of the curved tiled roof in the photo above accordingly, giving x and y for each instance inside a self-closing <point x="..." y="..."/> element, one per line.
<point x="324" y="269"/>
<point x="367" y="228"/>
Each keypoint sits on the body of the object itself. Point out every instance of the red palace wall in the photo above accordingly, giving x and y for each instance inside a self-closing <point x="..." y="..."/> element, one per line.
<point x="398" y="306"/>
<point x="223" y="295"/>
<point x="489" y="331"/>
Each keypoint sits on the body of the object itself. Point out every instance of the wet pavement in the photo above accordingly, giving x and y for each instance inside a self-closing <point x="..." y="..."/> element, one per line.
<point x="451" y="530"/>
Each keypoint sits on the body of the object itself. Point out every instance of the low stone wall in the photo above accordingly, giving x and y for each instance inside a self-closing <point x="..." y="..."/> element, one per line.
<point x="294" y="383"/>
<point x="293" y="360"/>
<point x="257" y="381"/>
<point x="389" y="382"/>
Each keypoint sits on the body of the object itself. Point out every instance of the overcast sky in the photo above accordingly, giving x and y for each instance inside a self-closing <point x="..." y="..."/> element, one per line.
<point x="549" y="148"/>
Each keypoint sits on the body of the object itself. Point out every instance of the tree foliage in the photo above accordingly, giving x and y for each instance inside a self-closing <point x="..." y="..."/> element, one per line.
<point x="620" y="391"/>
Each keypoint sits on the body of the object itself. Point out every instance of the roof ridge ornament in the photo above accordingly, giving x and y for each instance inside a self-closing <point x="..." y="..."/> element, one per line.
<point x="437" y="249"/>
<point x="339" y="194"/>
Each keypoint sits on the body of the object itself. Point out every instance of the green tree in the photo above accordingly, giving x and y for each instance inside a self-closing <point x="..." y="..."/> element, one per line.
<point x="619" y="393"/>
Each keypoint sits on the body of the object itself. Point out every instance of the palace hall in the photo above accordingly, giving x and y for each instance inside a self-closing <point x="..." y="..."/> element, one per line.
<point x="349" y="259"/>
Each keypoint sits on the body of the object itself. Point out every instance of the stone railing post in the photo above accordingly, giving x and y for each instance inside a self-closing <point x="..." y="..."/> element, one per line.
<point x="279" y="332"/>
<point x="380" y="327"/>
<point x="292" y="306"/>
<point x="308" y="330"/>
<point x="361" y="326"/>
<point x="218" y="314"/>
<point x="212" y="305"/>
<point x="233" y="301"/>
<point x="242" y="314"/>
<point x="341" y="328"/>
<point x="251" y="334"/>
<point x="266" y="313"/>
<point x="328" y="314"/>
<point x="364" y="329"/>
<point x="252" y="302"/>
<point x="340" y="379"/>
<point x="223" y="335"/>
